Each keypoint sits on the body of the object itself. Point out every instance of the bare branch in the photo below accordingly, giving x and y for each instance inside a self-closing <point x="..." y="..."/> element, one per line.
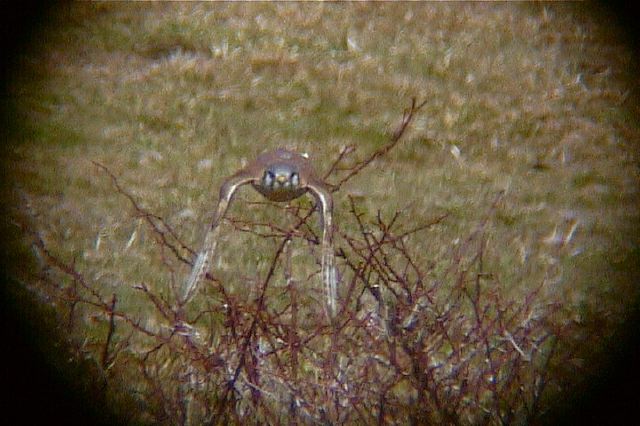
<point x="150" y="218"/>
<point x="414" y="341"/>
<point x="383" y="150"/>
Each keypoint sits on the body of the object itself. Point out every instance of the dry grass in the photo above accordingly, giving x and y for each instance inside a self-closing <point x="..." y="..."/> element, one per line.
<point x="532" y="100"/>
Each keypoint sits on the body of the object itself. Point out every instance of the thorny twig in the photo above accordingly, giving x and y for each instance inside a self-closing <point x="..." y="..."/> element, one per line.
<point x="150" y="218"/>
<point x="112" y="325"/>
<point x="407" y="117"/>
<point x="412" y="343"/>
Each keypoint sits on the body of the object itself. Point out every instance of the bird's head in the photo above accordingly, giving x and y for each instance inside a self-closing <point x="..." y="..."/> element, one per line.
<point x="280" y="177"/>
<point x="280" y="182"/>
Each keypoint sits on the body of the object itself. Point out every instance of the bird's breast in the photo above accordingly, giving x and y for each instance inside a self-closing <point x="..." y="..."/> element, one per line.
<point x="280" y="193"/>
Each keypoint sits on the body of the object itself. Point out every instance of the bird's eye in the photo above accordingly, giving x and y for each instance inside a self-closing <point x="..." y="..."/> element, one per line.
<point x="295" y="179"/>
<point x="268" y="178"/>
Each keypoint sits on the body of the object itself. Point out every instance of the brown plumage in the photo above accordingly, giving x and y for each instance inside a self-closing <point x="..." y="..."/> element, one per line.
<point x="280" y="175"/>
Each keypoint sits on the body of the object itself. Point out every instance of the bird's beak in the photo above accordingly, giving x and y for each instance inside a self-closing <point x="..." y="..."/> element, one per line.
<point x="281" y="179"/>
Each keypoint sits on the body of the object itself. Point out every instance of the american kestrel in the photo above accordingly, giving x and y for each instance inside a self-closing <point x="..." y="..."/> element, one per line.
<point x="280" y="175"/>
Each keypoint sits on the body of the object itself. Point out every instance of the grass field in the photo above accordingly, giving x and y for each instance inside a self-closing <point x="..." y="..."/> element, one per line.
<point x="535" y="100"/>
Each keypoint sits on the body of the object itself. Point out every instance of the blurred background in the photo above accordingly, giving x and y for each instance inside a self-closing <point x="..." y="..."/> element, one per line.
<point x="536" y="100"/>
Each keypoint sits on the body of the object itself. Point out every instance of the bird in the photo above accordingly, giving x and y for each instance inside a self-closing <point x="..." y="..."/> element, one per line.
<point x="280" y="175"/>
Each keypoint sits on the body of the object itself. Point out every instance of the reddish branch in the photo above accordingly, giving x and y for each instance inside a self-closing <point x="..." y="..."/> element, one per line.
<point x="407" y="117"/>
<point x="412" y="343"/>
<point x="112" y="326"/>
<point x="151" y="219"/>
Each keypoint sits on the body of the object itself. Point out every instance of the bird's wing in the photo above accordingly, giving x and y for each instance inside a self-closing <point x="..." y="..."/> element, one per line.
<point x="203" y="261"/>
<point x="329" y="276"/>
